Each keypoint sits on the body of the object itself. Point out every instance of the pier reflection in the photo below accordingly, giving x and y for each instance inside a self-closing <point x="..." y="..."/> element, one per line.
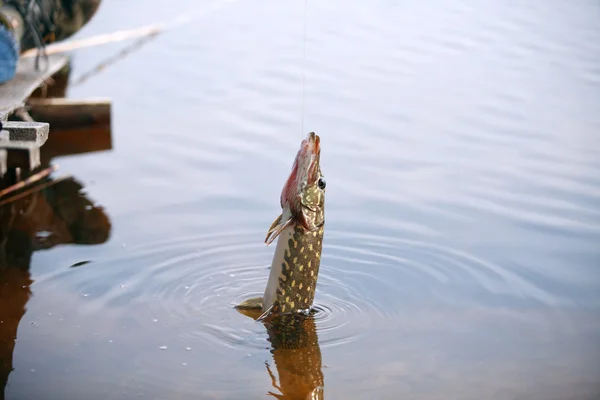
<point x="58" y="212"/>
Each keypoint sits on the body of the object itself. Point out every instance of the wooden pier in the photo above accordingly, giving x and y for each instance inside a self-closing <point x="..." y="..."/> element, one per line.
<point x="29" y="118"/>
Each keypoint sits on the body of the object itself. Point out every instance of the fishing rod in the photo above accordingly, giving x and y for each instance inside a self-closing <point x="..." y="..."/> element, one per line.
<point x="121" y="35"/>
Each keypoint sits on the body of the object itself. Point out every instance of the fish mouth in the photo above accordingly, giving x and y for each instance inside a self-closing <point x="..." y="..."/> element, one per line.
<point x="304" y="169"/>
<point x="307" y="159"/>
<point x="312" y="143"/>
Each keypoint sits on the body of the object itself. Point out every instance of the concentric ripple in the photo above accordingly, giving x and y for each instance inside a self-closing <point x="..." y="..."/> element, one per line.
<point x="188" y="286"/>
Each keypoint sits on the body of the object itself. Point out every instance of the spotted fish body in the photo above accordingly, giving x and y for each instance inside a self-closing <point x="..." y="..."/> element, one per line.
<point x="294" y="270"/>
<point x="299" y="232"/>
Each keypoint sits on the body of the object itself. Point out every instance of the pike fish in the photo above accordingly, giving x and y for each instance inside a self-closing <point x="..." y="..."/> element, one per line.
<point x="299" y="233"/>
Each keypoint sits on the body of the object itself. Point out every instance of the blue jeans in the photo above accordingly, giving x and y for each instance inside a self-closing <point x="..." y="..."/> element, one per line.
<point x="9" y="55"/>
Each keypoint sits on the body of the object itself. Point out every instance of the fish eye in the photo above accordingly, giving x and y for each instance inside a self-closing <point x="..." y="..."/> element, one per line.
<point x="321" y="183"/>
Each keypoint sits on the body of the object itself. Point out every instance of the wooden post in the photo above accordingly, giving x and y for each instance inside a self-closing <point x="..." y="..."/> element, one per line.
<point x="21" y="142"/>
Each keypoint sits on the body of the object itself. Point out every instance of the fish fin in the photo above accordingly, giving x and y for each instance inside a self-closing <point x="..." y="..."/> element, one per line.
<point x="255" y="302"/>
<point x="251" y="308"/>
<point x="276" y="228"/>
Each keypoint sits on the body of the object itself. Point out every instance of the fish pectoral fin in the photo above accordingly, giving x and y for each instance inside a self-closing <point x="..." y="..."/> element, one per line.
<point x="276" y="228"/>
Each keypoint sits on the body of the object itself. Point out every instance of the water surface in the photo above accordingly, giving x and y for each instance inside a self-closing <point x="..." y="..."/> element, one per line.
<point x="461" y="255"/>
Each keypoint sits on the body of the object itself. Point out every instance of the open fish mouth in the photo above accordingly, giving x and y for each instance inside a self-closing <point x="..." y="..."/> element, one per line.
<point x="304" y="170"/>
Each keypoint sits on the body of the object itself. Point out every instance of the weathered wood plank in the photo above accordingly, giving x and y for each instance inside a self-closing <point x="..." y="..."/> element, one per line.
<point x="64" y="113"/>
<point x="15" y="92"/>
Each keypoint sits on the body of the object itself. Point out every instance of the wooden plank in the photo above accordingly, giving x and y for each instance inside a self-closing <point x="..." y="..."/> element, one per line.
<point x="15" y="92"/>
<point x="20" y="141"/>
<point x="57" y="87"/>
<point x="65" y="114"/>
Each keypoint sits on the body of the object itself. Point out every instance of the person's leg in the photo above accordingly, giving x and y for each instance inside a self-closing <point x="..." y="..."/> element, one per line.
<point x="27" y="24"/>
<point x="10" y="31"/>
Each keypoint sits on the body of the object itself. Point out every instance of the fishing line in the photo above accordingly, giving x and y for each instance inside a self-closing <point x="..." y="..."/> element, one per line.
<point x="303" y="66"/>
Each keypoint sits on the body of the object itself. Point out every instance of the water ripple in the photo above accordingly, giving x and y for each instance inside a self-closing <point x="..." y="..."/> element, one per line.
<point x="191" y="284"/>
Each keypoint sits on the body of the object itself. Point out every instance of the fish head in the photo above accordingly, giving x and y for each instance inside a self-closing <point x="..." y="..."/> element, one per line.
<point x="303" y="195"/>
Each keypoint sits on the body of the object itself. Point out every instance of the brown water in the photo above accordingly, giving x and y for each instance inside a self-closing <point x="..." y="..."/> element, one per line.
<point x="462" y="249"/>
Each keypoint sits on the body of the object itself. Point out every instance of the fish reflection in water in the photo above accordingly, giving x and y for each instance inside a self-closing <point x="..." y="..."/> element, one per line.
<point x="59" y="214"/>
<point x="296" y="354"/>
